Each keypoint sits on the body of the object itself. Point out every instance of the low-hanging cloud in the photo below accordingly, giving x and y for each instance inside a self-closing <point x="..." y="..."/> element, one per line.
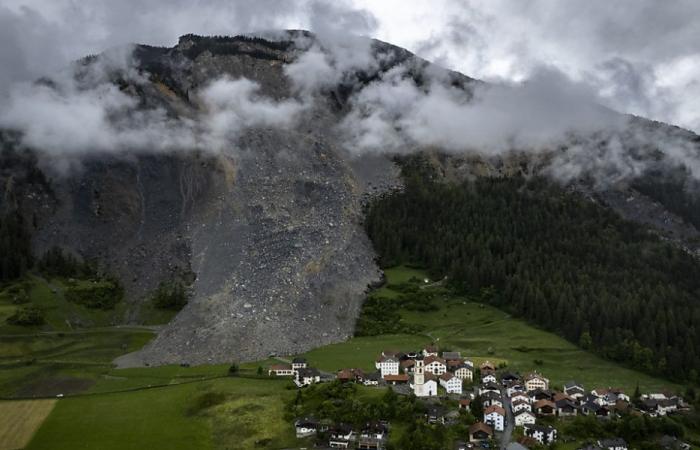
<point x="534" y="108"/>
<point x="83" y="110"/>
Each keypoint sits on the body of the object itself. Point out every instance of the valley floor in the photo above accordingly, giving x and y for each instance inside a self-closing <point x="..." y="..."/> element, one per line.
<point x="177" y="407"/>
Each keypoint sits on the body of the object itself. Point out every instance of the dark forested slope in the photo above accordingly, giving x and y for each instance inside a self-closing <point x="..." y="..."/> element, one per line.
<point x="554" y="258"/>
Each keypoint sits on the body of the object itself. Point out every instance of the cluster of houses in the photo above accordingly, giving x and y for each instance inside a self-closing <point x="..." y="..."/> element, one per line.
<point x="372" y="436"/>
<point x="298" y="370"/>
<point x="424" y="371"/>
<point x="508" y="399"/>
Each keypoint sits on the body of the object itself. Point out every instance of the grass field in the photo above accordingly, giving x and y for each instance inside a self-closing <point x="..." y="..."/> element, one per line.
<point x="481" y="333"/>
<point x="173" y="418"/>
<point x="19" y="420"/>
<point x="50" y="364"/>
<point x="200" y="407"/>
<point x="63" y="315"/>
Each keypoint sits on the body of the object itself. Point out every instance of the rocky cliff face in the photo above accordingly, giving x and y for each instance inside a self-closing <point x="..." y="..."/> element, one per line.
<point x="269" y="232"/>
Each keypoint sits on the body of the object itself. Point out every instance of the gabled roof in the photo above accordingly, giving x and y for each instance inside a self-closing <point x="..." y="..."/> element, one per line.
<point x="451" y="355"/>
<point x="431" y="359"/>
<point x="480" y="426"/>
<point x="542" y="403"/>
<point x="487" y="365"/>
<point x="490" y="395"/>
<point x="614" y="442"/>
<point x="299" y="360"/>
<point x="281" y="367"/>
<point x="494" y="409"/>
<point x="384" y="358"/>
<point x="535" y="375"/>
<point x="491" y="386"/>
<point x="561" y="396"/>
<point x="524" y="411"/>
<point x="542" y="428"/>
<point x="345" y="374"/>
<point x="308" y="372"/>
<point x="573" y="384"/>
<point x="447" y="376"/>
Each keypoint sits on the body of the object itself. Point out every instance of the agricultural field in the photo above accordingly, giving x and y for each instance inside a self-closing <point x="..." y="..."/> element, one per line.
<point x="20" y="419"/>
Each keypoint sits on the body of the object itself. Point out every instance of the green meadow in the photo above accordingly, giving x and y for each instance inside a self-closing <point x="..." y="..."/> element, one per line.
<point x="174" y="407"/>
<point x="483" y="333"/>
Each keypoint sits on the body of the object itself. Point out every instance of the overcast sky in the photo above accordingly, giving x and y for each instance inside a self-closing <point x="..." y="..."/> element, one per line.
<point x="640" y="56"/>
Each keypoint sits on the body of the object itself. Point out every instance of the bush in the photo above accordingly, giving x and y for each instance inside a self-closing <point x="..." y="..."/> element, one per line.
<point x="27" y="316"/>
<point x="56" y="263"/>
<point x="171" y="296"/>
<point x="95" y="294"/>
<point x="206" y="401"/>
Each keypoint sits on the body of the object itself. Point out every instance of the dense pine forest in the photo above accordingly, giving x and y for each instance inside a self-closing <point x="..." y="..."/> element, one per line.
<point x="559" y="260"/>
<point x="15" y="247"/>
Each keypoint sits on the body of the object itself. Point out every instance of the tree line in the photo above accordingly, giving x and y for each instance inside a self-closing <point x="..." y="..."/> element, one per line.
<point x="553" y="257"/>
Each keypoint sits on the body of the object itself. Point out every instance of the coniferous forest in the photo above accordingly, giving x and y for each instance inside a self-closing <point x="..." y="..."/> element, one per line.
<point x="15" y="247"/>
<point x="552" y="257"/>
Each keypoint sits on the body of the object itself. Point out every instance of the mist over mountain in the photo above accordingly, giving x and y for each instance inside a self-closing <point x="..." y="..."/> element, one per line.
<point x="240" y="165"/>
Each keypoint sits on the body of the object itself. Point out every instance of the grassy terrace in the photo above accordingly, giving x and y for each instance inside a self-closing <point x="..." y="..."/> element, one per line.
<point x="483" y="333"/>
<point x="201" y="407"/>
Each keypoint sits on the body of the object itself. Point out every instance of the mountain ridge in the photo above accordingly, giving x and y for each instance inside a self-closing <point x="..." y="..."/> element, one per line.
<point x="273" y="230"/>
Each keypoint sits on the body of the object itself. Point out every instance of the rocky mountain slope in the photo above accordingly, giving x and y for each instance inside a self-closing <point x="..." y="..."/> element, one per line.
<point x="270" y="235"/>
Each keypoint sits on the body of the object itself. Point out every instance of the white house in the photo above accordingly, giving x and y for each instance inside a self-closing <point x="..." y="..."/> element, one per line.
<point x="464" y="372"/>
<point x="574" y="390"/>
<point x="435" y="365"/>
<point x="490" y="378"/>
<point x="340" y="437"/>
<point x="305" y="427"/>
<point x="495" y="416"/>
<point x="298" y="363"/>
<point x="451" y="383"/>
<point x="519" y="396"/>
<point x="387" y="365"/>
<point x="281" y="370"/>
<point x="307" y="376"/>
<point x="521" y="405"/>
<point x="534" y="381"/>
<point x="524" y="417"/>
<point x="542" y="434"/>
<point x="430" y="350"/>
<point x="515" y="389"/>
<point x="492" y="398"/>
<point x="489" y="387"/>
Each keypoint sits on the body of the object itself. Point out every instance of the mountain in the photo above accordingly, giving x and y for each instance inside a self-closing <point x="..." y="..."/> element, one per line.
<point x="269" y="236"/>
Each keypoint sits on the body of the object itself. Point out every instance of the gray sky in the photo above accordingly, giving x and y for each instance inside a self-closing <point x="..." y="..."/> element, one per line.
<point x="639" y="56"/>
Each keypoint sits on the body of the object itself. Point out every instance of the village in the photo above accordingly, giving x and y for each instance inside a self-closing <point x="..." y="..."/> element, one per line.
<point x="511" y="411"/>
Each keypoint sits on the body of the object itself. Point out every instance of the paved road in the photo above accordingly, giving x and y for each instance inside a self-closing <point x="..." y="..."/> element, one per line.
<point x="507" y="434"/>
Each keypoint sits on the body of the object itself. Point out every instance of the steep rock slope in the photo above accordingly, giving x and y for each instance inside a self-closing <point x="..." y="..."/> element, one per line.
<point x="269" y="231"/>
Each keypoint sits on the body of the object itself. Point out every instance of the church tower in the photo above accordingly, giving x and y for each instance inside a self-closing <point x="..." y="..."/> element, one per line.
<point x="419" y="378"/>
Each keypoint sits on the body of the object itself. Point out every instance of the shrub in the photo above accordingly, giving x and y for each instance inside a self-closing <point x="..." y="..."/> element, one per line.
<point x="27" y="316"/>
<point x="171" y="296"/>
<point x="95" y="294"/>
<point x="206" y="401"/>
